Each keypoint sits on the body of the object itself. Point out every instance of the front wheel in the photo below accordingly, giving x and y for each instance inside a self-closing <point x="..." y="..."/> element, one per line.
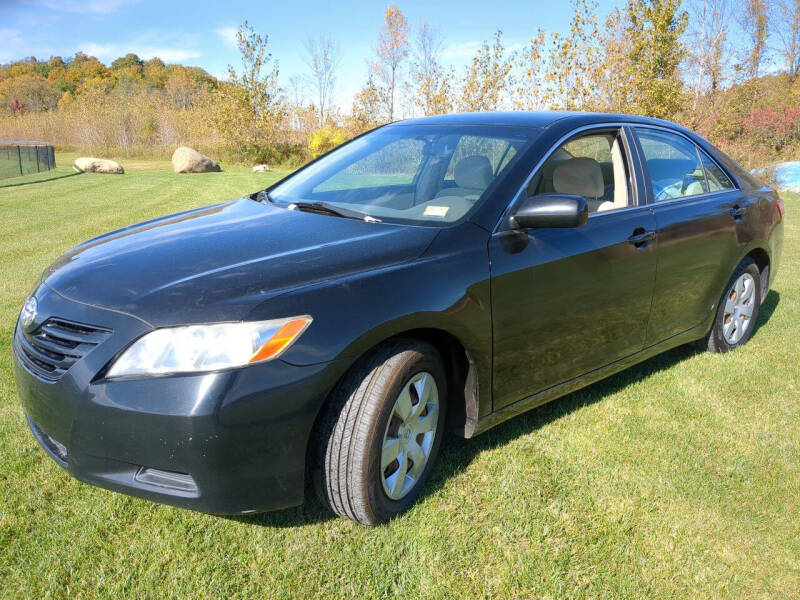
<point x="381" y="432"/>
<point x="738" y="309"/>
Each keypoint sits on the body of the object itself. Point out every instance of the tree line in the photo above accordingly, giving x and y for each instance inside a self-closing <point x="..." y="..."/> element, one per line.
<point x="728" y="68"/>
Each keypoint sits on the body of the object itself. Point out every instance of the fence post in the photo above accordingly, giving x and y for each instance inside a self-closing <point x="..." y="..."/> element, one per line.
<point x="36" y="148"/>
<point x="19" y="157"/>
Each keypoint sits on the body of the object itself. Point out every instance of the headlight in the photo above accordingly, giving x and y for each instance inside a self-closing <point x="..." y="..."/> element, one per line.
<point x="208" y="347"/>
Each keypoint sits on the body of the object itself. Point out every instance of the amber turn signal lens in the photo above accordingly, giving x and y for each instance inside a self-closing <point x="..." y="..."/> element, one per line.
<point x="281" y="339"/>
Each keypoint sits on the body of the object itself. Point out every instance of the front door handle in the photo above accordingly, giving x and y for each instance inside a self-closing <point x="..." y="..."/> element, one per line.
<point x="737" y="212"/>
<point x="640" y="237"/>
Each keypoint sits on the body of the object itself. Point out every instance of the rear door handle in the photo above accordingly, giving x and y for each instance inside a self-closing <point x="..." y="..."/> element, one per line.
<point x="737" y="212"/>
<point x="640" y="237"/>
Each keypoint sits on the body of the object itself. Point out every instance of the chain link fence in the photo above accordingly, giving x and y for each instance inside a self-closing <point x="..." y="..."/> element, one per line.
<point x="21" y="158"/>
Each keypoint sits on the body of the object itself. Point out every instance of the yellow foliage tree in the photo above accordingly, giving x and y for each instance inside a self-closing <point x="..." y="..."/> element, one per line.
<point x="430" y="83"/>
<point x="654" y="28"/>
<point x="391" y="52"/>
<point x="488" y="77"/>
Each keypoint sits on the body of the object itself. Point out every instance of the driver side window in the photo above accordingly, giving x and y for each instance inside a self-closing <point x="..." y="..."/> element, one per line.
<point x="590" y="165"/>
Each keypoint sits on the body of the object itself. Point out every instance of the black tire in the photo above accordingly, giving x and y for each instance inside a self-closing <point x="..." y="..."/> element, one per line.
<point x="715" y="341"/>
<point x="352" y="427"/>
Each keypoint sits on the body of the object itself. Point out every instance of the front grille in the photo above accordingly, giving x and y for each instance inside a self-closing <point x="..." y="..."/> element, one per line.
<point x="55" y="346"/>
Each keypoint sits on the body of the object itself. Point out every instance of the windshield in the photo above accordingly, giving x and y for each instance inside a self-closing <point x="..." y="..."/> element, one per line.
<point x="416" y="174"/>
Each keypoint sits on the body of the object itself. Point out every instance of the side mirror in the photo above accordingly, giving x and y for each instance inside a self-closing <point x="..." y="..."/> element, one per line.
<point x="552" y="210"/>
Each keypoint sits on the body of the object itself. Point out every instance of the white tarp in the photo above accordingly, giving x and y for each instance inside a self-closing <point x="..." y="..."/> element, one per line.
<point x="786" y="175"/>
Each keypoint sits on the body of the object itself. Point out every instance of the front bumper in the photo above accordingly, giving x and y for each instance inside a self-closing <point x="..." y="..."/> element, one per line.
<point x="231" y="442"/>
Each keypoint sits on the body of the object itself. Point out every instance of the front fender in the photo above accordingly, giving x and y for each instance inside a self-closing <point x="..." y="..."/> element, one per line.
<point x="448" y="289"/>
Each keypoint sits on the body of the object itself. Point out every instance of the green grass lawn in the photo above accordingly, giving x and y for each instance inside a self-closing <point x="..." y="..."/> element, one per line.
<point x="679" y="477"/>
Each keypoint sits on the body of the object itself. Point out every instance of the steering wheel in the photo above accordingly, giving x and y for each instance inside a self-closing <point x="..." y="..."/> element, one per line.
<point x="661" y="191"/>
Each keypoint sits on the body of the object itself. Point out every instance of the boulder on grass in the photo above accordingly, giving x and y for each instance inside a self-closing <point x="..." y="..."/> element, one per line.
<point x="186" y="160"/>
<point x="87" y="164"/>
<point x="260" y="168"/>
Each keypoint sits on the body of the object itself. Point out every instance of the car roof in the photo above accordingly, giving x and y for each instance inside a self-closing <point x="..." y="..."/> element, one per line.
<point x="532" y="119"/>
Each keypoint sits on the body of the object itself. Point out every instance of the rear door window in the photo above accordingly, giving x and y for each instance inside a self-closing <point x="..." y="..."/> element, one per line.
<point x="673" y="164"/>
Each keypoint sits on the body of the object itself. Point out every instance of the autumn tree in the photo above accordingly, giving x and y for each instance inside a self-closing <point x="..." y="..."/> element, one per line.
<point x="488" y="77"/>
<point x="297" y="90"/>
<point x="259" y="75"/>
<point x="391" y="53"/>
<point x="754" y="21"/>
<point x="430" y="82"/>
<point x="322" y="58"/>
<point x="185" y="88"/>
<point x="530" y="80"/>
<point x="249" y="108"/>
<point x="614" y="79"/>
<point x="303" y="117"/>
<point x="128" y="61"/>
<point x="573" y="61"/>
<point x="707" y="52"/>
<point x="786" y="24"/>
<point x="368" y="106"/>
<point x="654" y="28"/>
<point x="28" y="93"/>
<point x="155" y="73"/>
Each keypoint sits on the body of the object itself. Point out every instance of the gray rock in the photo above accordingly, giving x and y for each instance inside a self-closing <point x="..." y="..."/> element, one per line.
<point x="186" y="160"/>
<point x="87" y="164"/>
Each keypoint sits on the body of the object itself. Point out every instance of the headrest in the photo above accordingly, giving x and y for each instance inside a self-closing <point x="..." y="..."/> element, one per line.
<point x="473" y="172"/>
<point x="580" y="176"/>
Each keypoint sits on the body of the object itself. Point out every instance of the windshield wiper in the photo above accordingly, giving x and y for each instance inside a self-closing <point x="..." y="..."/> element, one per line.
<point x="327" y="209"/>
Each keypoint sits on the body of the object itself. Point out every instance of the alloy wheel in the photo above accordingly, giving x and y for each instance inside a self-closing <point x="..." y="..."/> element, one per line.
<point x="739" y="308"/>
<point x="409" y="435"/>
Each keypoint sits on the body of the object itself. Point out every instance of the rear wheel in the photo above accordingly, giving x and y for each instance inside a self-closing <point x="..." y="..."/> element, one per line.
<point x="738" y="309"/>
<point x="381" y="432"/>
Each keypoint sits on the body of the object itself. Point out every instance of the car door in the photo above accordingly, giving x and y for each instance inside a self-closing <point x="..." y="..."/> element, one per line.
<point x="697" y="210"/>
<point x="567" y="301"/>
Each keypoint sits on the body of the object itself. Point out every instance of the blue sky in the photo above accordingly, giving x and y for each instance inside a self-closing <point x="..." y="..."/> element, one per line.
<point x="201" y="33"/>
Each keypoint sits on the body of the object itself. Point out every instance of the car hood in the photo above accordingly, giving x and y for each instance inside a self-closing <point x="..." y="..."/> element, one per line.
<point x="218" y="262"/>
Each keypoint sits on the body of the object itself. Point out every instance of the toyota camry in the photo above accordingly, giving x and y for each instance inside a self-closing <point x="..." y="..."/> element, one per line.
<point x="440" y="273"/>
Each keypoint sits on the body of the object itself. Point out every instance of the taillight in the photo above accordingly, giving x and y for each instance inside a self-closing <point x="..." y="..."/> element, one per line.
<point x="780" y="208"/>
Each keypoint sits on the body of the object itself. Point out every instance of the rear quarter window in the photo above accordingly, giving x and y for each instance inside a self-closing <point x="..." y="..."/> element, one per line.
<point x="717" y="179"/>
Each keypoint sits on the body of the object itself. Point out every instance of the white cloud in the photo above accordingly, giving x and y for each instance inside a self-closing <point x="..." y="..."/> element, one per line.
<point x="12" y="44"/>
<point x="466" y="50"/>
<point x="227" y="34"/>
<point x="82" y="6"/>
<point x="170" y="46"/>
<point x="145" y="52"/>
<point x="462" y="50"/>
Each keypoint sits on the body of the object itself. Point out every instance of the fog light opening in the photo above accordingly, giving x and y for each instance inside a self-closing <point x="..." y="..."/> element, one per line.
<point x="166" y="479"/>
